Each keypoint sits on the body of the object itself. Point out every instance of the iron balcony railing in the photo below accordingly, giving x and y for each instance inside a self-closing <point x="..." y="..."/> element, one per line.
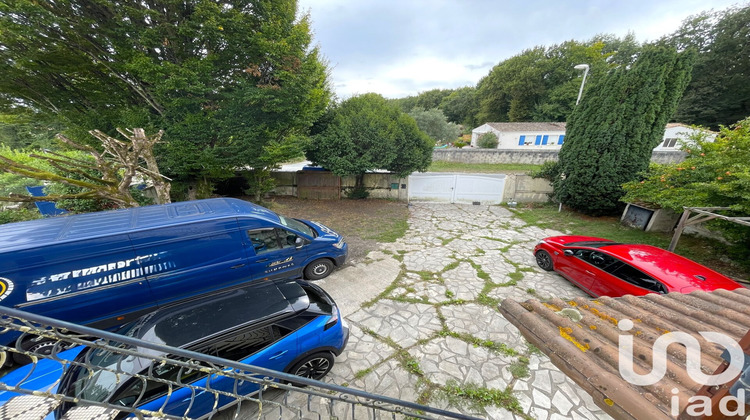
<point x="274" y="399"/>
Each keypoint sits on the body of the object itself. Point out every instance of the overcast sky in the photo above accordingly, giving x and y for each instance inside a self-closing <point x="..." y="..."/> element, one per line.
<point x="402" y="47"/>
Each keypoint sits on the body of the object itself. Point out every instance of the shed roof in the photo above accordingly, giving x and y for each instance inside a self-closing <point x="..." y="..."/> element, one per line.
<point x="527" y="126"/>
<point x="587" y="350"/>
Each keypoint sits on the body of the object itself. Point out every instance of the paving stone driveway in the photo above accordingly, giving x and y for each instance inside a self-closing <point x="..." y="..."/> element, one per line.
<point x="434" y="328"/>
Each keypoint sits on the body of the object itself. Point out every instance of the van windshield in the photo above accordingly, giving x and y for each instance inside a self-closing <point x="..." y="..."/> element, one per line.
<point x="297" y="225"/>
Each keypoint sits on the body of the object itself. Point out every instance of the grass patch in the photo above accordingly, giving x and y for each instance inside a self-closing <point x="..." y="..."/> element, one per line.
<point x="520" y="368"/>
<point x="485" y="300"/>
<point x="440" y="166"/>
<point x="451" y="266"/>
<point x="533" y="349"/>
<point x="479" y="397"/>
<point x="390" y="231"/>
<point x="501" y="348"/>
<point x="425" y="275"/>
<point x="516" y="276"/>
<point x="709" y="252"/>
<point x="362" y="373"/>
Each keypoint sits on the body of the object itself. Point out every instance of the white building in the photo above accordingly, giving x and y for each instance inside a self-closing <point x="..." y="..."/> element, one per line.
<point x="551" y="135"/>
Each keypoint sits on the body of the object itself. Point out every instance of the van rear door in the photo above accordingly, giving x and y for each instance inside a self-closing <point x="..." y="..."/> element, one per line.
<point x="274" y="252"/>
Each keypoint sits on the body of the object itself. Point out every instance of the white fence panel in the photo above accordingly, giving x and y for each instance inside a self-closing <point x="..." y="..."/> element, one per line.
<point x="457" y="188"/>
<point x="484" y="188"/>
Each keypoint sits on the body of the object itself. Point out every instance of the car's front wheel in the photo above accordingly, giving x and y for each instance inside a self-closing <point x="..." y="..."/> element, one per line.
<point x="315" y="366"/>
<point x="544" y="260"/>
<point x="318" y="269"/>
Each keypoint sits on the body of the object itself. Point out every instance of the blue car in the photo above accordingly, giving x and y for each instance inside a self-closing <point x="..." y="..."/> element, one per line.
<point x="291" y="326"/>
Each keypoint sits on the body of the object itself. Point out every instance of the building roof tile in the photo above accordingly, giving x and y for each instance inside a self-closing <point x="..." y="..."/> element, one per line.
<point x="582" y="336"/>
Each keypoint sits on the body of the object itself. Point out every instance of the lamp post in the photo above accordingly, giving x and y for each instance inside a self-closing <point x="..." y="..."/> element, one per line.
<point x="585" y="68"/>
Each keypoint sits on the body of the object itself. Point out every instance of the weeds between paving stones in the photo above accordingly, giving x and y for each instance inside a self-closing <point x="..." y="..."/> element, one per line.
<point x="469" y="394"/>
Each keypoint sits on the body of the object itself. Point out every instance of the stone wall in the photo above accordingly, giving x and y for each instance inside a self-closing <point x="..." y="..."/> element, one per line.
<point x="533" y="157"/>
<point x="471" y="155"/>
<point x="522" y="188"/>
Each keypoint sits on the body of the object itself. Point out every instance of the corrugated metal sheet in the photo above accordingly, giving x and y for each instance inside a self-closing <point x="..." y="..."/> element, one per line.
<point x="581" y="336"/>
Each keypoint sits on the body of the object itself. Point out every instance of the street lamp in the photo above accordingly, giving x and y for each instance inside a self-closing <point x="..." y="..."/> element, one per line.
<point x="585" y="68"/>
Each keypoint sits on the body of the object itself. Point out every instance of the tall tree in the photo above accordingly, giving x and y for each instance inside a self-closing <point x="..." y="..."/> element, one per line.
<point x="612" y="133"/>
<point x="435" y="125"/>
<point x="230" y="82"/>
<point x="719" y="92"/>
<point x="541" y="84"/>
<point x="366" y="133"/>
<point x="460" y="106"/>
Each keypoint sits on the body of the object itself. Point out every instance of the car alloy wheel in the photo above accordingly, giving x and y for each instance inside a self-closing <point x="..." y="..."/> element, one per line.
<point x="544" y="260"/>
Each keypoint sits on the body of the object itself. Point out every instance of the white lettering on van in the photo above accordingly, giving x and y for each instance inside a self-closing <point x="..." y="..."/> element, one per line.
<point x="40" y="290"/>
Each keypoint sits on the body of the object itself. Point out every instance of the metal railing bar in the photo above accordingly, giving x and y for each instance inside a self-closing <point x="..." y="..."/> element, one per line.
<point x="62" y="329"/>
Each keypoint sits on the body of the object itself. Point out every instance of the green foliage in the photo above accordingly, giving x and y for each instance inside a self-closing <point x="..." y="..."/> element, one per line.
<point x="357" y="193"/>
<point x="714" y="174"/>
<point x="368" y="133"/>
<point x="18" y="215"/>
<point x="717" y="94"/>
<point x="550" y="170"/>
<point x="435" y="125"/>
<point x="611" y="135"/>
<point x="259" y="183"/>
<point x="478" y="396"/>
<point x="487" y="141"/>
<point x="11" y="184"/>
<point x="27" y="132"/>
<point x="541" y="84"/>
<point x="426" y="100"/>
<point x="230" y="82"/>
<point x="460" y="106"/>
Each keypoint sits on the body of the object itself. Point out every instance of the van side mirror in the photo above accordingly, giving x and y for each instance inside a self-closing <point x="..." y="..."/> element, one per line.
<point x="568" y="252"/>
<point x="299" y="242"/>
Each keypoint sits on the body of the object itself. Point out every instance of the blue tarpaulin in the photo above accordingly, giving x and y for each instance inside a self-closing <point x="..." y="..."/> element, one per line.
<point x="46" y="208"/>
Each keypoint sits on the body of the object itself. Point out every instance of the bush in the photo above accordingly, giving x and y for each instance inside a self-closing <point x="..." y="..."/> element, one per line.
<point x="459" y="144"/>
<point x="18" y="215"/>
<point x="487" y="141"/>
<point x="357" y="193"/>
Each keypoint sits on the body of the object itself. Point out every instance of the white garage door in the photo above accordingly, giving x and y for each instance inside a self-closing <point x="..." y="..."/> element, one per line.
<point x="457" y="188"/>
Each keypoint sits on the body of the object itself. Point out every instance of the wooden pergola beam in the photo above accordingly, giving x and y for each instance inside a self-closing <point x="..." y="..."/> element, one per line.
<point x="703" y="214"/>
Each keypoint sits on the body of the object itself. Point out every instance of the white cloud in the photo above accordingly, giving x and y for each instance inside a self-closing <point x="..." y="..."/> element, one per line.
<point x="402" y="47"/>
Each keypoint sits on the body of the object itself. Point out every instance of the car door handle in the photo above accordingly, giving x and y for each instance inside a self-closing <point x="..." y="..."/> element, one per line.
<point x="589" y="272"/>
<point x="262" y="260"/>
<point x="237" y="266"/>
<point x="276" y="356"/>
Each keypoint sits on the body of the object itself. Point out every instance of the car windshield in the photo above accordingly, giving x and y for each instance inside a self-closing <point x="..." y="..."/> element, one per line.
<point x="98" y="384"/>
<point x="297" y="225"/>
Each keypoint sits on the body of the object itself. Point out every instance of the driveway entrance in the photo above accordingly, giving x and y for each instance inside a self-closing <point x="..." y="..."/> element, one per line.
<point x="457" y="188"/>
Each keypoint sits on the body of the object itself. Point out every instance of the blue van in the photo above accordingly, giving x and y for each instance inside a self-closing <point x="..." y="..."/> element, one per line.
<point x="107" y="268"/>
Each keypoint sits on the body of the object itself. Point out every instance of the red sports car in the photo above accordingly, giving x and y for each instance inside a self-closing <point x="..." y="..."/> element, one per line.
<point x="601" y="267"/>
